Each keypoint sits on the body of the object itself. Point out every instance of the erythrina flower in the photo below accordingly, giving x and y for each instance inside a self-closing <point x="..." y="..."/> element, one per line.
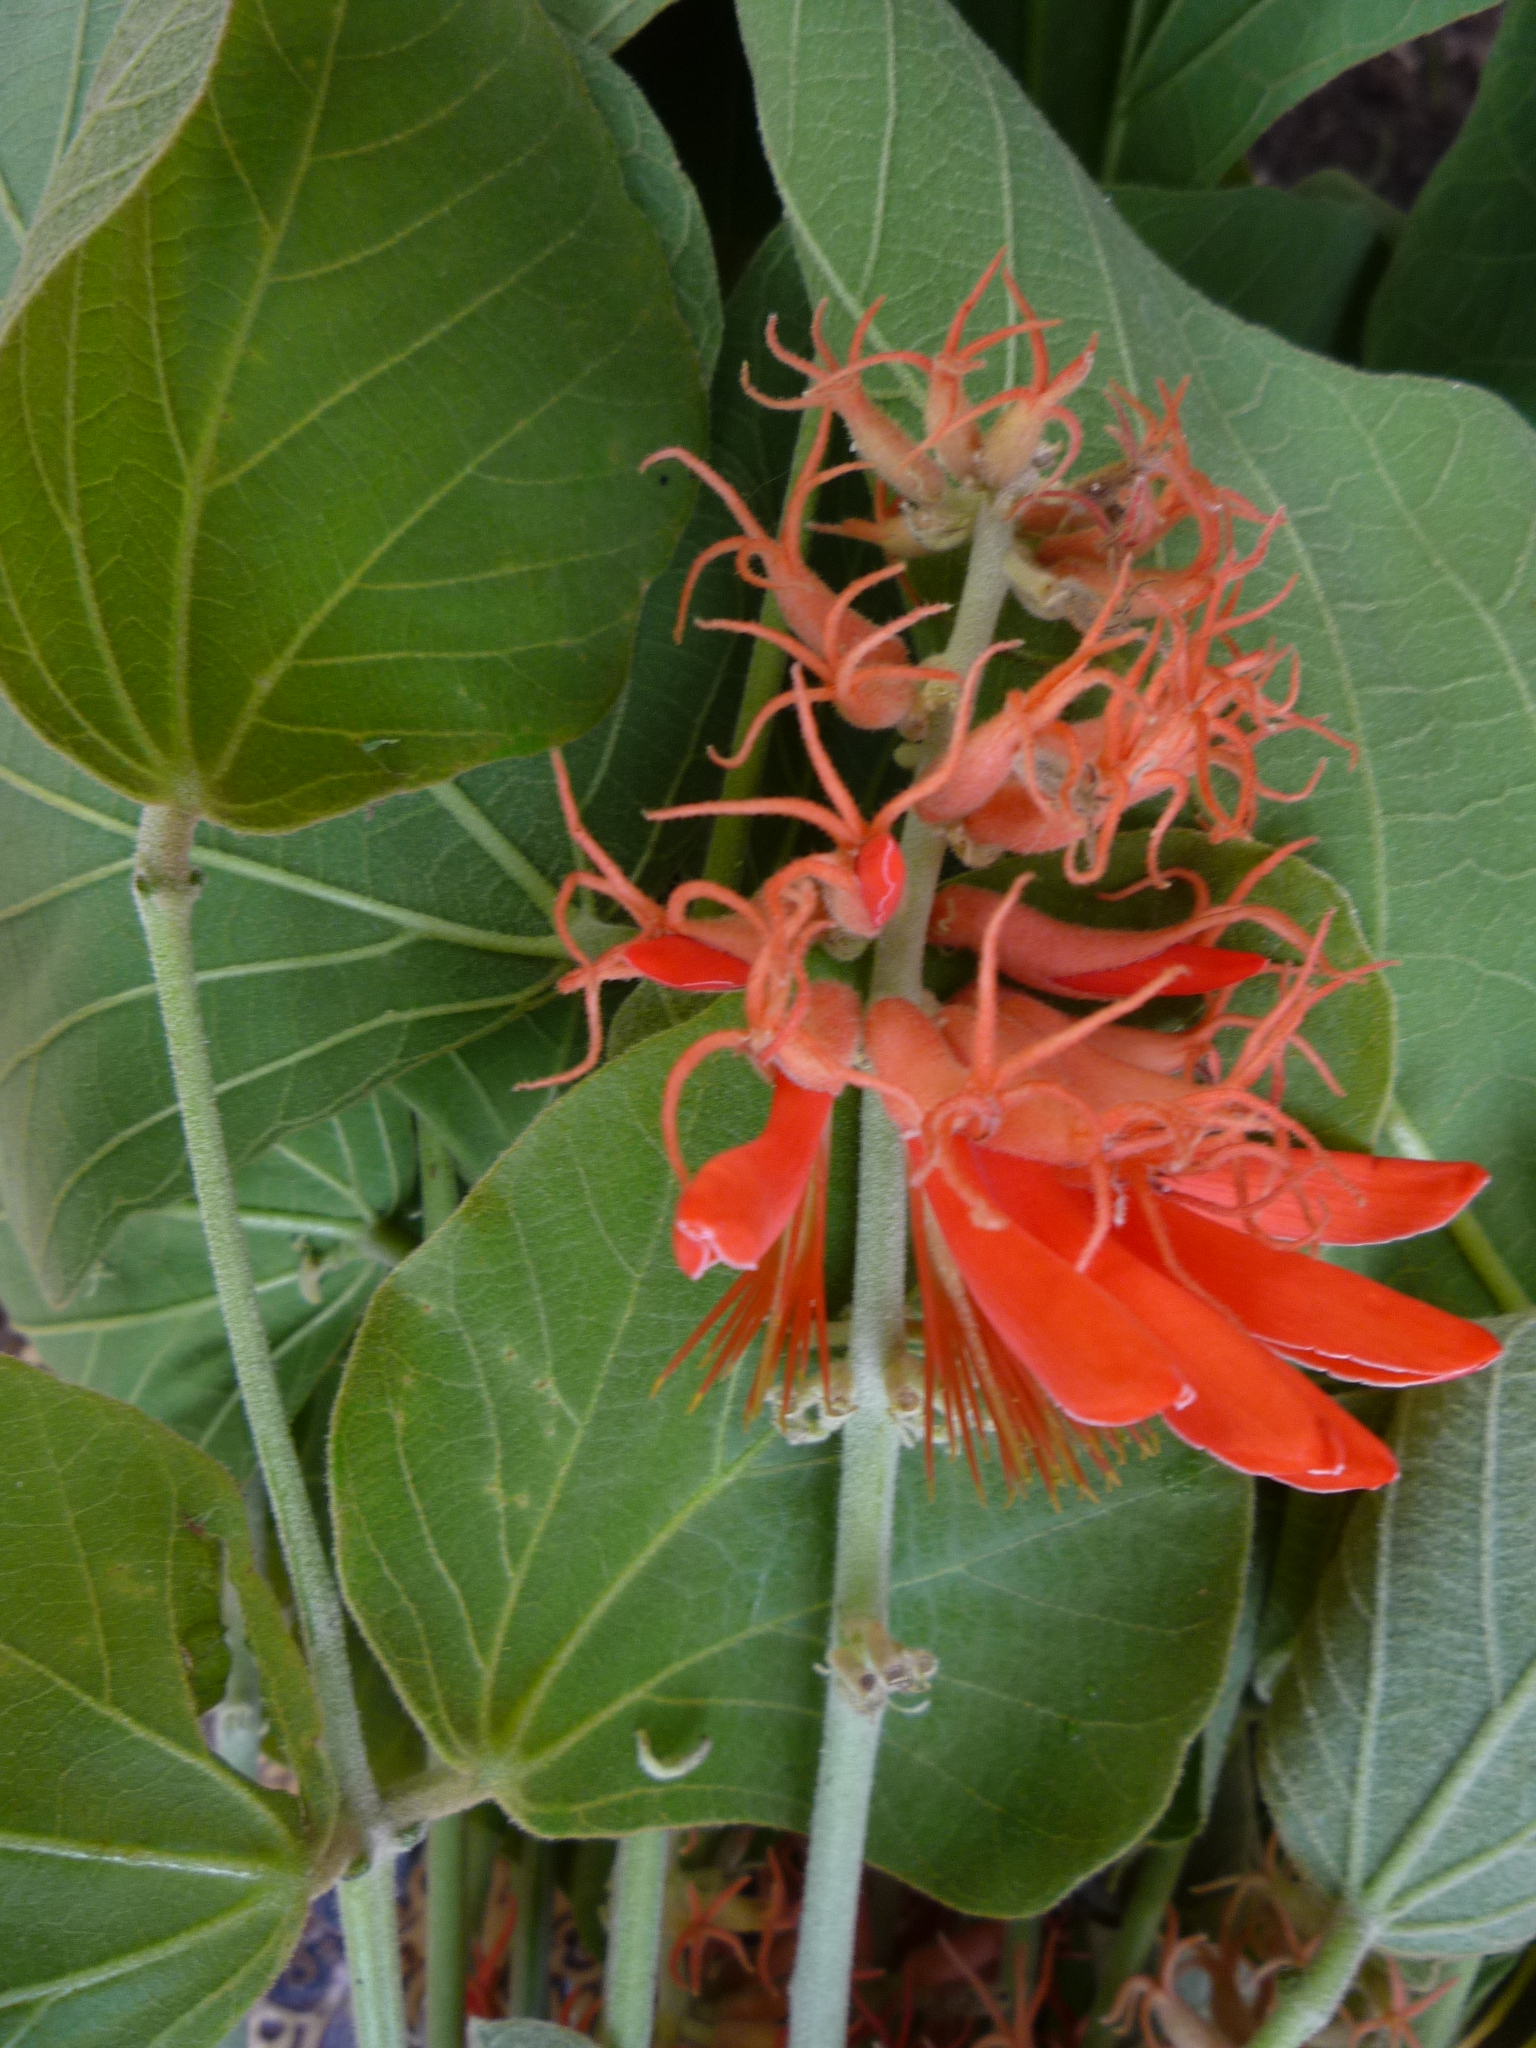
<point x="1076" y="1199"/>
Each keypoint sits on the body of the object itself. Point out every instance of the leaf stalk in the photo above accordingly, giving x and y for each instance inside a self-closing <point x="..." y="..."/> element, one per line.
<point x="639" y="1891"/>
<point x="165" y="890"/>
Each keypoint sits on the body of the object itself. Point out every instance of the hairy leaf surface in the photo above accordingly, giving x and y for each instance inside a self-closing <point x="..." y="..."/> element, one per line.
<point x="338" y="957"/>
<point x="50" y="54"/>
<point x="147" y="1893"/>
<point x="321" y="443"/>
<point x="1411" y="514"/>
<point x="1211" y="75"/>
<point x="146" y="1324"/>
<point x="1459" y="297"/>
<point x="1399" y="1758"/>
<point x="553" y="1565"/>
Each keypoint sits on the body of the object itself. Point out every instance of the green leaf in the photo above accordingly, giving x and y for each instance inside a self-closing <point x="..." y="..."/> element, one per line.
<point x="551" y="1563"/>
<point x="321" y="441"/>
<point x="660" y="187"/>
<point x="604" y="23"/>
<point x="1399" y="1758"/>
<point x="1459" y="297"/>
<point x="339" y="957"/>
<point x="1409" y="528"/>
<point x="1214" y="74"/>
<point x="146" y="1891"/>
<point x="1289" y="261"/>
<point x="146" y="1324"/>
<point x="50" y="54"/>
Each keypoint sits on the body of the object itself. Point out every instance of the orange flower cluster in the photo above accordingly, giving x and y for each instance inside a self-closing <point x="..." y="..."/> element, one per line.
<point x="1110" y="1222"/>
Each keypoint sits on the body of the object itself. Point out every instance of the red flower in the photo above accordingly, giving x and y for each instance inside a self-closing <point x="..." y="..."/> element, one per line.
<point x="1077" y="1199"/>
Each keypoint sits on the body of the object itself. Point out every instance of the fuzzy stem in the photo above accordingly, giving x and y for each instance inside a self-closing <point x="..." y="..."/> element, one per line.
<point x="1307" y="2003"/>
<point x="165" y="890"/>
<point x="1157" y="1873"/>
<point x="727" y="850"/>
<point x="1468" y="1235"/>
<point x="370" y="1927"/>
<point x="868" y="1441"/>
<point x="445" y="1932"/>
<point x="638" y="1892"/>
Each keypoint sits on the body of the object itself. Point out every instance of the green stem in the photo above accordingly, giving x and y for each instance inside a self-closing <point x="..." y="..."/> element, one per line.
<point x="1307" y="2003"/>
<point x="861" y="1657"/>
<point x="1157" y="1872"/>
<point x="765" y="678"/>
<point x="370" y="1927"/>
<point x="529" y="1995"/>
<point x="165" y="890"/>
<point x="638" y="1893"/>
<point x="445" y="1932"/>
<point x="1469" y="1236"/>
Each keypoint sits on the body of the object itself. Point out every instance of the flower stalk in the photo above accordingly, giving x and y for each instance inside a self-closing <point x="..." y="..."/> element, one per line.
<point x="1307" y="2003"/>
<point x="165" y="891"/>
<point x="864" y="1665"/>
<point x="638" y="1893"/>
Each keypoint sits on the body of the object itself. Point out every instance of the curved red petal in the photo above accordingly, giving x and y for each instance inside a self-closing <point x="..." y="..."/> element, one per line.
<point x="740" y="1203"/>
<point x="1349" y="1458"/>
<point x="1351" y="1326"/>
<point x="882" y="877"/>
<point x="1201" y="969"/>
<point x="1366" y="1200"/>
<point x="1095" y="1360"/>
<point x="678" y="962"/>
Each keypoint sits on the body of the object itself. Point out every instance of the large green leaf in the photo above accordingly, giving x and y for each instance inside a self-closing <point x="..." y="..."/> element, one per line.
<point x="1410" y="513"/>
<point x="50" y="54"/>
<point x="1212" y="75"/>
<point x="1289" y="261"/>
<point x="1459" y="297"/>
<point x="147" y="1893"/>
<point x="320" y="449"/>
<point x="604" y="23"/>
<point x="1399" y="1757"/>
<point x="146" y="1324"/>
<point x="550" y="1562"/>
<point x="337" y="957"/>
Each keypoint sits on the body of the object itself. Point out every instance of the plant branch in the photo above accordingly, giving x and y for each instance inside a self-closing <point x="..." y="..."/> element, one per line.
<point x="165" y="891"/>
<point x="1157" y="1872"/>
<point x="638" y="1893"/>
<point x="1308" y="2002"/>
<point x="863" y="1663"/>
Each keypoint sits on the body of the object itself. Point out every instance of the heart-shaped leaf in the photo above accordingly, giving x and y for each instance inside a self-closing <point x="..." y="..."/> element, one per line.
<point x="1209" y="76"/>
<point x="568" y="1579"/>
<point x="1459" y="297"/>
<point x="1409" y="517"/>
<point x="146" y="1891"/>
<point x="335" y="493"/>
<point x="146" y="1324"/>
<point x="340" y="956"/>
<point x="1399" y="1758"/>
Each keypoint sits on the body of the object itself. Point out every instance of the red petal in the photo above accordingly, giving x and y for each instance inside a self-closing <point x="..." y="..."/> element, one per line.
<point x="1351" y="1326"/>
<point x="882" y="877"/>
<point x="1367" y="1200"/>
<point x="677" y="962"/>
<point x="740" y="1202"/>
<point x="1096" y="1362"/>
<point x="1202" y="968"/>
<point x="1248" y="1408"/>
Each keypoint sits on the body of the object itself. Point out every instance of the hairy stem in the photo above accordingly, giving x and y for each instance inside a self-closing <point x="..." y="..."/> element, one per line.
<point x="859" y="1652"/>
<point x="165" y="890"/>
<point x="370" y="1927"/>
<point x="1307" y="2003"/>
<point x="638" y="1893"/>
<point x="446" y="1949"/>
